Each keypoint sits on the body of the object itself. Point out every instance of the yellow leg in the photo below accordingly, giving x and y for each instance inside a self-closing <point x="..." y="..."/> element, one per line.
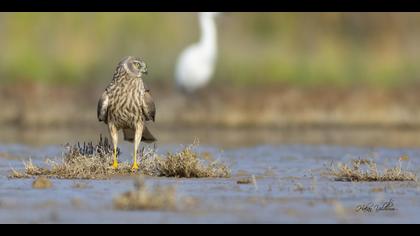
<point x="115" y="165"/>
<point x="137" y="140"/>
<point x="135" y="166"/>
<point x="114" y="135"/>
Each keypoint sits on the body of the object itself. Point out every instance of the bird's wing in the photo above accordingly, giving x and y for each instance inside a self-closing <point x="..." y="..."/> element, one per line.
<point x="103" y="107"/>
<point x="149" y="108"/>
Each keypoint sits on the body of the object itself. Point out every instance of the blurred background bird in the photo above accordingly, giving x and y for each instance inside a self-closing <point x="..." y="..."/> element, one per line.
<point x="195" y="65"/>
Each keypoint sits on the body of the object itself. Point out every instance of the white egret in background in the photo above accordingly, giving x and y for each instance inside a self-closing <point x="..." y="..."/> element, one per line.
<point x="195" y="65"/>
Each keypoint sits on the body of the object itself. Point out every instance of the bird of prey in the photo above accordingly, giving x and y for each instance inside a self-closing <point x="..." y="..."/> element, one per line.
<point x="195" y="64"/>
<point x="127" y="104"/>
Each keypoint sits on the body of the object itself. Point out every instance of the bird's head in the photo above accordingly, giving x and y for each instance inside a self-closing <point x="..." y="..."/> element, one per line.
<point x="134" y="66"/>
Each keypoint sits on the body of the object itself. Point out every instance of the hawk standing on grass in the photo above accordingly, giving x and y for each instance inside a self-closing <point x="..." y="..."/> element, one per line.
<point x="126" y="104"/>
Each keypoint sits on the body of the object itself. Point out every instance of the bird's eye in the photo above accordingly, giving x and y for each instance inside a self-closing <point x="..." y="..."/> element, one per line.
<point x="137" y="65"/>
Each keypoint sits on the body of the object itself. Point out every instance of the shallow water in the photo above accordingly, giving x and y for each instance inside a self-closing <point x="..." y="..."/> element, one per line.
<point x="290" y="189"/>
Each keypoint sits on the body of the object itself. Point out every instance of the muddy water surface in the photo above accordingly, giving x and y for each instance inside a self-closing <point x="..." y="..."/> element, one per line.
<point x="290" y="188"/>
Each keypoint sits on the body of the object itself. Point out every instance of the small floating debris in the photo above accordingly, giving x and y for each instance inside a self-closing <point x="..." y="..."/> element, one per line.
<point x="299" y="187"/>
<point x="80" y="185"/>
<point x="248" y="180"/>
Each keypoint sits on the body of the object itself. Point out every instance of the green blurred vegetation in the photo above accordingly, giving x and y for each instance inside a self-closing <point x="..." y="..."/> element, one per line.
<point x="341" y="49"/>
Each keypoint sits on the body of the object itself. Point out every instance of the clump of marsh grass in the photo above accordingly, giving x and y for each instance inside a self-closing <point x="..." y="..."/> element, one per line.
<point x="103" y="149"/>
<point x="185" y="164"/>
<point x="80" y="167"/>
<point x="90" y="161"/>
<point x="362" y="170"/>
<point x="145" y="198"/>
<point x="85" y="161"/>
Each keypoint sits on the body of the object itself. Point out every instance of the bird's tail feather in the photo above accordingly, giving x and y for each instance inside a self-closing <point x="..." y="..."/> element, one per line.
<point x="147" y="136"/>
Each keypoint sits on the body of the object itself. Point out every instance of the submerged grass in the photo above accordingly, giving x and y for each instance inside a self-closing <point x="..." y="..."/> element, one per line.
<point x="41" y="183"/>
<point x="90" y="161"/>
<point x="144" y="198"/>
<point x="367" y="171"/>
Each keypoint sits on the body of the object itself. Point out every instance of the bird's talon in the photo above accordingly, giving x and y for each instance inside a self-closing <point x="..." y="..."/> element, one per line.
<point x="115" y="165"/>
<point x="135" y="166"/>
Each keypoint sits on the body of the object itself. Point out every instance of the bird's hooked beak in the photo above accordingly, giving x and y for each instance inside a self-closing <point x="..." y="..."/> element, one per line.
<point x="144" y="68"/>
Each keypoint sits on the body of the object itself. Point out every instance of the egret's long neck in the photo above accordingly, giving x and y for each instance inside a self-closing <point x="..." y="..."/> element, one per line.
<point x="208" y="39"/>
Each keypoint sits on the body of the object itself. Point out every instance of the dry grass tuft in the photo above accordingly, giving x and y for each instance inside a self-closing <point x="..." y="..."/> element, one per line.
<point x="367" y="171"/>
<point x="85" y="161"/>
<point x="143" y="198"/>
<point x="184" y="164"/>
<point x="90" y="161"/>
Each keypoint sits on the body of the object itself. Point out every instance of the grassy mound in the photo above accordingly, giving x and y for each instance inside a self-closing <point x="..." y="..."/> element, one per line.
<point x="367" y="171"/>
<point x="186" y="164"/>
<point x="90" y="161"/>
